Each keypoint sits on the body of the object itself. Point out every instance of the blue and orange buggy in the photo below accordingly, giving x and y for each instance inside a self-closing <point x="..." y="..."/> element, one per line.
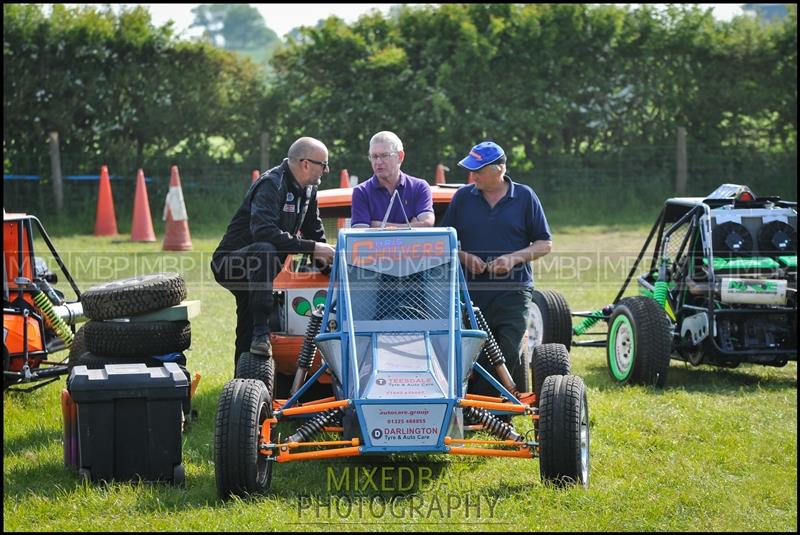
<point x="400" y="338"/>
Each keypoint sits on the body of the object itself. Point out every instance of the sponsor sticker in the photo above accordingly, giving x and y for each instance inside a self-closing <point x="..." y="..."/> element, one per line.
<point x="409" y="425"/>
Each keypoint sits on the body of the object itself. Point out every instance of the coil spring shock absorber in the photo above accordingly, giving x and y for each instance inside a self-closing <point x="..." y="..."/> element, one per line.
<point x="595" y="316"/>
<point x="661" y="288"/>
<point x="490" y="349"/>
<point x="53" y="320"/>
<point x="660" y="292"/>
<point x="315" y="425"/>
<point x="336" y="420"/>
<point x="495" y="356"/>
<point x="306" y="356"/>
<point x="499" y="429"/>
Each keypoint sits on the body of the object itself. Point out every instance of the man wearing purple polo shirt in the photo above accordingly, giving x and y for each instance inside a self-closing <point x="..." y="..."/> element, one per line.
<point x="371" y="199"/>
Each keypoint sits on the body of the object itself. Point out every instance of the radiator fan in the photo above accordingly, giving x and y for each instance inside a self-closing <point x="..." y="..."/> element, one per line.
<point x="732" y="238"/>
<point x="777" y="237"/>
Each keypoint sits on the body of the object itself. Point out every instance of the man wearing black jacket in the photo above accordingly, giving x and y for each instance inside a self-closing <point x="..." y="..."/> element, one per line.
<point x="278" y="206"/>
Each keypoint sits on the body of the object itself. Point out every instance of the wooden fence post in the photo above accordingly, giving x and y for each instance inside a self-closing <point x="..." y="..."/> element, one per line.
<point x="55" y="172"/>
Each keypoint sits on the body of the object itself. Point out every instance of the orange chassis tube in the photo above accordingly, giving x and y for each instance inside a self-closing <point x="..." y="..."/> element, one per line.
<point x="351" y="448"/>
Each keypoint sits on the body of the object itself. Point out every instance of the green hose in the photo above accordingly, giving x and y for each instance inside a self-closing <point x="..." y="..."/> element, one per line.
<point x="53" y="320"/>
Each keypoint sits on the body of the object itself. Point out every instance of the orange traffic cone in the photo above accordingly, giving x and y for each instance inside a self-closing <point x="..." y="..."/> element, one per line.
<point x="440" y="169"/>
<point x="176" y="237"/>
<point x="256" y="174"/>
<point x="105" y="223"/>
<point x="344" y="182"/>
<point x="142" y="226"/>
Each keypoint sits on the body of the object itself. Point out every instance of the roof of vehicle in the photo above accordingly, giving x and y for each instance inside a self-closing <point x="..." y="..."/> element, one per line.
<point x="342" y="196"/>
<point x="11" y="216"/>
<point x="725" y="194"/>
<point x="335" y="202"/>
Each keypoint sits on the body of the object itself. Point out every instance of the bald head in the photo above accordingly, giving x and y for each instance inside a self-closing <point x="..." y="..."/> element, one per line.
<point x="308" y="160"/>
<point x="306" y="147"/>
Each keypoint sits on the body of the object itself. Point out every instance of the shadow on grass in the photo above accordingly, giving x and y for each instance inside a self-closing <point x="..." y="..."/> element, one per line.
<point x="373" y="475"/>
<point x="45" y="480"/>
<point x="700" y="379"/>
<point x="29" y="442"/>
<point x="709" y="379"/>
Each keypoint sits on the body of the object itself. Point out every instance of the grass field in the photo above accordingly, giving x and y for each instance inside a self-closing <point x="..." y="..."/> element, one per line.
<point x="715" y="450"/>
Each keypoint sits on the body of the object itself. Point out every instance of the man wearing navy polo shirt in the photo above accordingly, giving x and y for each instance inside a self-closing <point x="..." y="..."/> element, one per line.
<point x="371" y="199"/>
<point x="501" y="228"/>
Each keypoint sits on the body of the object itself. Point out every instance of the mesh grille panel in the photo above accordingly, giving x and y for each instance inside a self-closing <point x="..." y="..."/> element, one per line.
<point x="419" y="296"/>
<point x="675" y="241"/>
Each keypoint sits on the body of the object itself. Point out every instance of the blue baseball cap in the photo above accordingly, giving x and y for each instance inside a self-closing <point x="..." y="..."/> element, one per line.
<point x="481" y="155"/>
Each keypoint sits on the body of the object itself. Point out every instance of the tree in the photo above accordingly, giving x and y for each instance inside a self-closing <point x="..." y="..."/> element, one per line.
<point x="117" y="88"/>
<point x="547" y="81"/>
<point x="237" y="27"/>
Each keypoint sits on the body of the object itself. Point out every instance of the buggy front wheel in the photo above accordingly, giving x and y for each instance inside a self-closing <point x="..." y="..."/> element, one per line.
<point x="563" y="432"/>
<point x="240" y="468"/>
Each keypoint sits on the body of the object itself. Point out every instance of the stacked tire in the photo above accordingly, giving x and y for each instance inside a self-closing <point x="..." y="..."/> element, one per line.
<point x="110" y="337"/>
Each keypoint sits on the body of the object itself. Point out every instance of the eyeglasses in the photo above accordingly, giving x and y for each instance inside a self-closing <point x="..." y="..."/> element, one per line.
<point x="324" y="165"/>
<point x="381" y="157"/>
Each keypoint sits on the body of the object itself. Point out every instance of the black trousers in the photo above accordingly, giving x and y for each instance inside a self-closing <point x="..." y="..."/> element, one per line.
<point x="506" y="313"/>
<point x="248" y="274"/>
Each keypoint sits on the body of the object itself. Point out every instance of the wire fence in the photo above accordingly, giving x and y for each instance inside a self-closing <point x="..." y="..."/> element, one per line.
<point x="628" y="187"/>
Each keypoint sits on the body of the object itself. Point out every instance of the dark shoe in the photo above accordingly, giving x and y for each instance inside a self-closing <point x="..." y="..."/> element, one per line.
<point x="261" y="346"/>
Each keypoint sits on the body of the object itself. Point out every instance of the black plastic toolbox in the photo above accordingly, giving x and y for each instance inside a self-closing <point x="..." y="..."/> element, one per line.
<point x="129" y="421"/>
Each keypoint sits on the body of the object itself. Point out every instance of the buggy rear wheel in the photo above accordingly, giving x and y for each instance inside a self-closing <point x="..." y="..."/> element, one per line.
<point x="261" y="368"/>
<point x="639" y="342"/>
<point x="563" y="432"/>
<point x="548" y="359"/>
<point x="551" y="320"/>
<point x="240" y="469"/>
